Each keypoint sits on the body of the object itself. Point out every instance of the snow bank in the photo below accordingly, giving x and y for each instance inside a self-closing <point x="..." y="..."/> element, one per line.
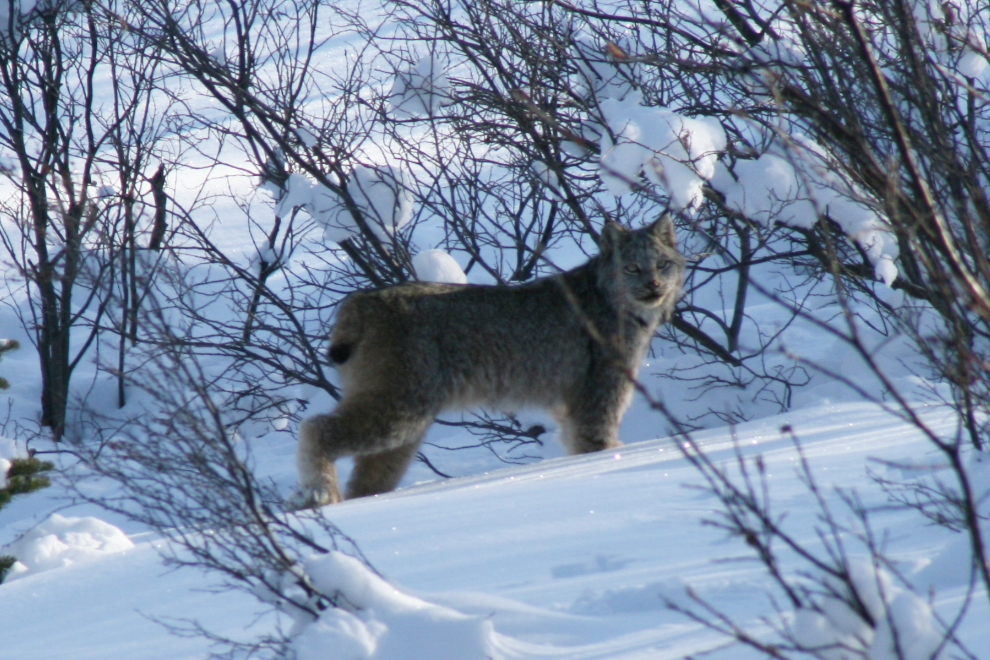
<point x="650" y="597"/>
<point x="62" y="541"/>
<point x="952" y="565"/>
<point x="438" y="266"/>
<point x="905" y="626"/>
<point x="385" y="622"/>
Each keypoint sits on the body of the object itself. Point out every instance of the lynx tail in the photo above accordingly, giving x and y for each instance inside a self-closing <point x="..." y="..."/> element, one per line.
<point x="346" y="334"/>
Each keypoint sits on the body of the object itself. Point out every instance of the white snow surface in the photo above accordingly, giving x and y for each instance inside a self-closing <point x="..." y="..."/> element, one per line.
<point x="62" y="541"/>
<point x="569" y="557"/>
<point x="565" y="557"/>
<point x="387" y="623"/>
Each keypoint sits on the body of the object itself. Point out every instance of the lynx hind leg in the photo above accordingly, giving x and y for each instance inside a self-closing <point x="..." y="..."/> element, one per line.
<point x="363" y="427"/>
<point x="318" y="481"/>
<point x="380" y="473"/>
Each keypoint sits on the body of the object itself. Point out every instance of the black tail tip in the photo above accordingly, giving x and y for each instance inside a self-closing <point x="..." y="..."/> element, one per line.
<point x="340" y="353"/>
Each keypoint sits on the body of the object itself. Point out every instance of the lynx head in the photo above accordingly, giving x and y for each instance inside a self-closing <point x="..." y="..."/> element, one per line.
<point x="642" y="268"/>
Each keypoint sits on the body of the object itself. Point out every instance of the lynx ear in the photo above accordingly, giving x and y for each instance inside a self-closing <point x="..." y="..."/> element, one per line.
<point x="612" y="233"/>
<point x="663" y="229"/>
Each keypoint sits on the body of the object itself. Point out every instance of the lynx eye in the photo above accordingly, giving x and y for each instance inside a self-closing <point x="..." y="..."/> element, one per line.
<point x="663" y="264"/>
<point x="632" y="269"/>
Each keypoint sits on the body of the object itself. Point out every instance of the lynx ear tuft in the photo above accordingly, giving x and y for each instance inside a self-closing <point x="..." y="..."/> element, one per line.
<point x="664" y="229"/>
<point x="612" y="233"/>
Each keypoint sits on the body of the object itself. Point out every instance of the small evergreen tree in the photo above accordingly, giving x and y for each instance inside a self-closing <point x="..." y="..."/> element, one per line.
<point x="22" y="473"/>
<point x="6" y="345"/>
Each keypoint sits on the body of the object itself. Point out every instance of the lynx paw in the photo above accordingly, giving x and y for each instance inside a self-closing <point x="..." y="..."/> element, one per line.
<point x="312" y="498"/>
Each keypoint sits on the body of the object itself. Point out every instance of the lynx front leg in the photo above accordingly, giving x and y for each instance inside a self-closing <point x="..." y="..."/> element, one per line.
<point x="583" y="434"/>
<point x="591" y="422"/>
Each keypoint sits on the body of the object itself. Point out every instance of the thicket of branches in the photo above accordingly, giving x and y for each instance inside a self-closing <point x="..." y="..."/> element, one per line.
<point x="182" y="472"/>
<point x="495" y="131"/>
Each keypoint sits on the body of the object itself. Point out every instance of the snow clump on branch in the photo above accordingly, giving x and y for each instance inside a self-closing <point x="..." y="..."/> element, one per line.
<point x="9" y="449"/>
<point x="673" y="151"/>
<point x="382" y="194"/>
<point x="438" y="266"/>
<point x="796" y="187"/>
<point x="420" y="92"/>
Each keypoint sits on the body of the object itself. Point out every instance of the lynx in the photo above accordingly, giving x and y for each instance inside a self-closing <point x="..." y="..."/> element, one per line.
<point x="569" y="343"/>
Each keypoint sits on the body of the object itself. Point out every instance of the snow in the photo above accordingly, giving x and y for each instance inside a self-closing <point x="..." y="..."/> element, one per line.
<point x="387" y="623"/>
<point x="106" y="191"/>
<point x="762" y="187"/>
<point x="673" y="151"/>
<point x="793" y="187"/>
<point x="565" y="557"/>
<point x="101" y="609"/>
<point x="9" y="449"/>
<point x="972" y="64"/>
<point x="438" y="266"/>
<point x="62" y="541"/>
<point x="570" y="557"/>
<point x="548" y="178"/>
<point x="307" y="137"/>
<point x="384" y="194"/>
<point x="421" y="91"/>
<point x="906" y="623"/>
<point x="20" y="8"/>
<point x="266" y="255"/>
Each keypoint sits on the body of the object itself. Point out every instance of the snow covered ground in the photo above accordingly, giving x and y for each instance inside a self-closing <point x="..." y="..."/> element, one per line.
<point x="565" y="557"/>
<point x="571" y="557"/>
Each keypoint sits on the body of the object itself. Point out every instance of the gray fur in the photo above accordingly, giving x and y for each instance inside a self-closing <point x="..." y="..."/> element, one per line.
<point x="569" y="343"/>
